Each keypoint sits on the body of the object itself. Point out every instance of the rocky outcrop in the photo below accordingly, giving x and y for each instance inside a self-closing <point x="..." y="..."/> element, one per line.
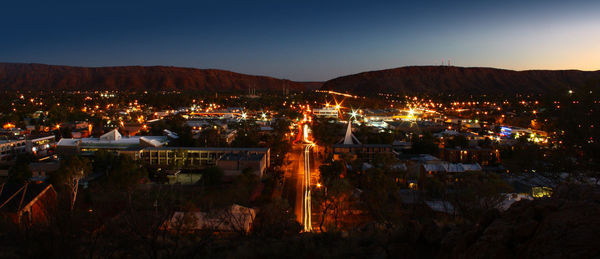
<point x="17" y="76"/>
<point x="564" y="226"/>
<point x="462" y="80"/>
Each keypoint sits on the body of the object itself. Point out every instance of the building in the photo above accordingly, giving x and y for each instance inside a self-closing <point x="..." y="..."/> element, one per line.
<point x="112" y="141"/>
<point x="351" y="146"/>
<point x="38" y="146"/>
<point x="11" y="148"/>
<point x="445" y="171"/>
<point x="482" y="156"/>
<point x="326" y="112"/>
<point x="235" y="164"/>
<point x="41" y="146"/>
<point x="379" y="115"/>
<point x="26" y="204"/>
<point x="444" y="167"/>
<point x="200" y="157"/>
<point x="365" y="152"/>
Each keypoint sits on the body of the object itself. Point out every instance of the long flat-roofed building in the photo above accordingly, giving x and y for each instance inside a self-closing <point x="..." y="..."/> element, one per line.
<point x="326" y="112"/>
<point x="235" y="164"/>
<point x="189" y="157"/>
<point x="39" y="146"/>
<point x="112" y="141"/>
<point x="10" y="148"/>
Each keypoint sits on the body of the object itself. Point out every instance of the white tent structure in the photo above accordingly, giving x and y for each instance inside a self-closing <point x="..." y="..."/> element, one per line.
<point x="349" y="138"/>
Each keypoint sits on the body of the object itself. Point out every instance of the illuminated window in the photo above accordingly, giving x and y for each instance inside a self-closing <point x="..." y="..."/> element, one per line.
<point x="539" y="192"/>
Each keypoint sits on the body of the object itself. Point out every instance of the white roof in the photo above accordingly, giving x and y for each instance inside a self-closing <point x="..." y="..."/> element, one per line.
<point x="434" y="167"/>
<point x="153" y="141"/>
<point x="440" y="206"/>
<point x="68" y="142"/>
<point x="144" y="141"/>
<point x="510" y="198"/>
<point x="400" y="166"/>
<point x="452" y="168"/>
<point x="170" y="134"/>
<point x="111" y="135"/>
<point x="366" y="166"/>
<point x="472" y="167"/>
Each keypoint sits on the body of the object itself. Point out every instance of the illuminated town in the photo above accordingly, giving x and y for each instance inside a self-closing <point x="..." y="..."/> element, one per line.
<point x="177" y="162"/>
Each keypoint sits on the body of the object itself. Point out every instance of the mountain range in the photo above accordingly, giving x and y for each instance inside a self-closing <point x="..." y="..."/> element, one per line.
<point x="403" y="80"/>
<point x="19" y="76"/>
<point x="462" y="80"/>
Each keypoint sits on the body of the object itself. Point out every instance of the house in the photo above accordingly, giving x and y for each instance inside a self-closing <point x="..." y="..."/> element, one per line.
<point x="28" y="203"/>
<point x="446" y="171"/>
<point x="234" y="164"/>
<point x="483" y="156"/>
<point x="234" y="218"/>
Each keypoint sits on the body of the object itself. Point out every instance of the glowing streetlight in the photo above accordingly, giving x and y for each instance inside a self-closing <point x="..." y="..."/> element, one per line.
<point x="244" y="115"/>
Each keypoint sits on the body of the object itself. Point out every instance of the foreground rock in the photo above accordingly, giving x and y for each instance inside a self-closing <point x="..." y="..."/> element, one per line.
<point x="564" y="226"/>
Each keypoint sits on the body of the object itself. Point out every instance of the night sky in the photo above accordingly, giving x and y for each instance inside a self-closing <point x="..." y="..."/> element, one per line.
<point x="303" y="40"/>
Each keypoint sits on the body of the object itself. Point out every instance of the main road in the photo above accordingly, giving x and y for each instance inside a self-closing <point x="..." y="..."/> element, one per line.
<point x="306" y="209"/>
<point x="298" y="180"/>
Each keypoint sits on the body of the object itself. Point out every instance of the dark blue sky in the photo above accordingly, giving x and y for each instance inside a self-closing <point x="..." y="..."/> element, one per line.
<point x="303" y="40"/>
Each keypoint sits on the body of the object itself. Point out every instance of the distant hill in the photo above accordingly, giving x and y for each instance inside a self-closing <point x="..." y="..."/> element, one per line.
<point x="312" y="85"/>
<point x="462" y="80"/>
<point x="18" y="76"/>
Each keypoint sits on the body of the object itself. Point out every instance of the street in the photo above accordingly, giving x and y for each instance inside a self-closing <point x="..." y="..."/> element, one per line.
<point x="299" y="178"/>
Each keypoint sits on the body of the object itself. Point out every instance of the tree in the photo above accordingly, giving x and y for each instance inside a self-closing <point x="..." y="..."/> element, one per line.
<point x="474" y="193"/>
<point x="275" y="219"/>
<point x="71" y="171"/>
<point x="125" y="174"/>
<point x="458" y="141"/>
<point x="212" y="175"/>
<point x="333" y="201"/>
<point x="326" y="134"/>
<point x="424" y="145"/>
<point x="379" y="195"/>
<point x="247" y="135"/>
<point x="211" y="137"/>
<point x="331" y="172"/>
<point x="20" y="171"/>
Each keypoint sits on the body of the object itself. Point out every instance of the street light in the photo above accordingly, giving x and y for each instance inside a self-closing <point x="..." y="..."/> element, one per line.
<point x="353" y="114"/>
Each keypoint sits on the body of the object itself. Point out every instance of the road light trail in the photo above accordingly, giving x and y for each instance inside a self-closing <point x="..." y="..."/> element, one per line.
<point x="307" y="202"/>
<point x="307" y="219"/>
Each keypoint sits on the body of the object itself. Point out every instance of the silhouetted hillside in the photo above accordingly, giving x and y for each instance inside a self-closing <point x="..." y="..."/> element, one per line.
<point x="17" y="76"/>
<point x="461" y="80"/>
